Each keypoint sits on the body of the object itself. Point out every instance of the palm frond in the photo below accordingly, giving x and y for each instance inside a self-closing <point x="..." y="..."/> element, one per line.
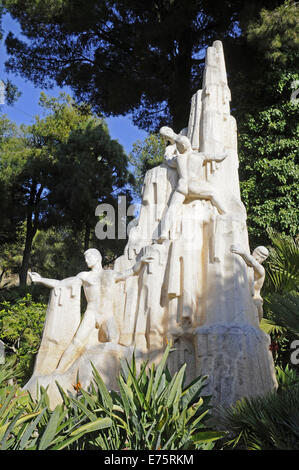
<point x="283" y="264"/>
<point x="284" y="311"/>
<point x="270" y="422"/>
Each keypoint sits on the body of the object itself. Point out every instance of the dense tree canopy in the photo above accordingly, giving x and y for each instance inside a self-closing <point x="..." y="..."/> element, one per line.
<point x="124" y="56"/>
<point x="146" y="59"/>
<point x="268" y="123"/>
<point x="57" y="170"/>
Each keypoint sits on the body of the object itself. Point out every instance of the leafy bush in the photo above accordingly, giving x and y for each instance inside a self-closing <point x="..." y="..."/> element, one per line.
<point x="21" y="325"/>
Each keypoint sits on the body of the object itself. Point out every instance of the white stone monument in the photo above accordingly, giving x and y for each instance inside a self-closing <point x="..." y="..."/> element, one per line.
<point x="186" y="275"/>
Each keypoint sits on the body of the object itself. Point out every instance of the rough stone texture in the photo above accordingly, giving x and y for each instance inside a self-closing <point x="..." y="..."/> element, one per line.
<point x="237" y="361"/>
<point x="105" y="357"/>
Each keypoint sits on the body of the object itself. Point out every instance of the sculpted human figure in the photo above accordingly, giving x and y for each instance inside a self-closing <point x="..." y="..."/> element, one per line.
<point x="259" y="255"/>
<point x="189" y="165"/>
<point x="149" y="327"/>
<point x="92" y="318"/>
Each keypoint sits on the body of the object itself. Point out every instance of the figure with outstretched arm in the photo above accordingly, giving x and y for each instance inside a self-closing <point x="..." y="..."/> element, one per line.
<point x="259" y="255"/>
<point x="90" y="280"/>
<point x="188" y="164"/>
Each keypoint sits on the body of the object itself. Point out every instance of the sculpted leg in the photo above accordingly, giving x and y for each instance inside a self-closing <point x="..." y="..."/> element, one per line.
<point x="112" y="330"/>
<point x="204" y="190"/>
<point x="216" y="201"/>
<point x="177" y="199"/>
<point x="182" y="170"/>
<point x="259" y="305"/>
<point x="79" y="341"/>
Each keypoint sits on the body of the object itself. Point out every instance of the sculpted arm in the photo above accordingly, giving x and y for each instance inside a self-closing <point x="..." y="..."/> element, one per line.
<point x="215" y="158"/>
<point x="38" y="279"/>
<point x="170" y="156"/>
<point x="51" y="283"/>
<point x="249" y="259"/>
<point x="132" y="271"/>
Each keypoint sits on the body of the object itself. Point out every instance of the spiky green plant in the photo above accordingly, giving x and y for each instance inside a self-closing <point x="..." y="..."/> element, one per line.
<point x="151" y="410"/>
<point x="264" y="423"/>
<point x="160" y="412"/>
<point x="281" y="298"/>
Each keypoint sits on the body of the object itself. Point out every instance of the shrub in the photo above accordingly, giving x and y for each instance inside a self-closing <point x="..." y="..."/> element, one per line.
<point x="151" y="410"/>
<point x="21" y="325"/>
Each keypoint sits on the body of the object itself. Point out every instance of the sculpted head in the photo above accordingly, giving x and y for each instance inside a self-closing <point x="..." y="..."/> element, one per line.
<point x="260" y="253"/>
<point x="183" y="143"/>
<point x="168" y="134"/>
<point x="93" y="258"/>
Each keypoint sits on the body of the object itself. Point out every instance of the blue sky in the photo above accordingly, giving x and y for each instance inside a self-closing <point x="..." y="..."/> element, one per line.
<point x="26" y="107"/>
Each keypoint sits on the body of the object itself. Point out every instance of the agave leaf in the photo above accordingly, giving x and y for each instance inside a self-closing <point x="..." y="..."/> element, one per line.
<point x="6" y="430"/>
<point x="66" y="442"/>
<point x="17" y="421"/>
<point x="100" y="423"/>
<point x="207" y="436"/>
<point x="127" y="398"/>
<point x="84" y="409"/>
<point x="159" y="371"/>
<point x="51" y="429"/>
<point x="192" y="392"/>
<point x="150" y="384"/>
<point x="106" y="397"/>
<point x="176" y="387"/>
<point x="8" y="404"/>
<point x="27" y="434"/>
<point x="192" y="410"/>
<point x="139" y="394"/>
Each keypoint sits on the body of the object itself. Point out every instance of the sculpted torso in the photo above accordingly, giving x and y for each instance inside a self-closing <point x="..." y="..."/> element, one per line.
<point x="194" y="169"/>
<point x="259" y="278"/>
<point x="91" y="281"/>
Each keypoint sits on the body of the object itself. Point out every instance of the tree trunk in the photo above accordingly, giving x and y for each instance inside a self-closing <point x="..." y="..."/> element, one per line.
<point x="86" y="237"/>
<point x="31" y="229"/>
<point x="30" y="232"/>
<point x="179" y="102"/>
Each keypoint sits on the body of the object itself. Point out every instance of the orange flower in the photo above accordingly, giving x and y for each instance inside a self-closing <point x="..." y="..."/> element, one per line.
<point x="77" y="386"/>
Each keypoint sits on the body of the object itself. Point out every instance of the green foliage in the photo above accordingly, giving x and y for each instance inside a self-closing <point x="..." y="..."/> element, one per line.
<point x="151" y="411"/>
<point x="281" y="299"/>
<point x="269" y="171"/>
<point x="272" y="422"/>
<point x="21" y="325"/>
<point x="160" y="412"/>
<point x="268" y="122"/>
<point x="123" y="57"/>
<point x="264" y="423"/>
<point x="144" y="156"/>
<point x="280" y="294"/>
<point x="282" y="265"/>
<point x="55" y="172"/>
<point x="286" y="377"/>
<point x="276" y="33"/>
<point x="285" y="312"/>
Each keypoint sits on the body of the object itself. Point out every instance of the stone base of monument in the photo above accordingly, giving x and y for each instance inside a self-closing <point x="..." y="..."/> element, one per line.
<point x="237" y="361"/>
<point x="105" y="357"/>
